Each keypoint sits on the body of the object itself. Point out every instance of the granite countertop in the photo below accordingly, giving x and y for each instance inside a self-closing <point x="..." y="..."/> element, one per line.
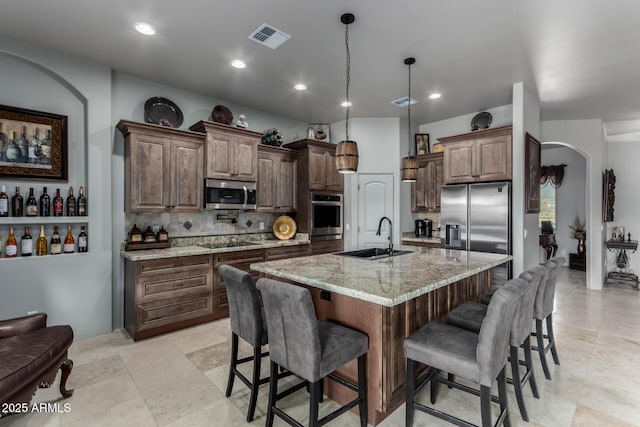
<point x="387" y="281"/>
<point x="421" y="239"/>
<point x="195" y="249"/>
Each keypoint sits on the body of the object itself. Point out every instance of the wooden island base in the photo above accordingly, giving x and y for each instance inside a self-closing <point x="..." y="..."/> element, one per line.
<point x="387" y="327"/>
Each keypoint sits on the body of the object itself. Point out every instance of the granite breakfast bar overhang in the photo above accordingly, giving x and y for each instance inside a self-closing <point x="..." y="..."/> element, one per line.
<point x="387" y="299"/>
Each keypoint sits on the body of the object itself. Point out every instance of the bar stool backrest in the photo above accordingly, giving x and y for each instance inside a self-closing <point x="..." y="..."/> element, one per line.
<point x="294" y="340"/>
<point x="245" y="313"/>
<point x="521" y="328"/>
<point x="493" y="342"/>
<point x="544" y="303"/>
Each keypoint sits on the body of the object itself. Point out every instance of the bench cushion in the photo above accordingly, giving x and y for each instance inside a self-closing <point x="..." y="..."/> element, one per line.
<point x="27" y="357"/>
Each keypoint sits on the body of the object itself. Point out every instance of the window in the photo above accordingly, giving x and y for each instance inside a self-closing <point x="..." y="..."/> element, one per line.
<point x="548" y="204"/>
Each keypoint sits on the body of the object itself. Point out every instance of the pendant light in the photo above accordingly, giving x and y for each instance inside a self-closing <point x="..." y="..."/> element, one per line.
<point x="409" y="164"/>
<point x="347" y="150"/>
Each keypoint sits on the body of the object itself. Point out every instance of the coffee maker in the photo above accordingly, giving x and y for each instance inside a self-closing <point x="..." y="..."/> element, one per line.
<point x="424" y="228"/>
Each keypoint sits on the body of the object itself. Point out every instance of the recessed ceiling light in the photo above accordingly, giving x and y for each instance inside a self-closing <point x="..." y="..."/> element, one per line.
<point x="300" y="86"/>
<point x="435" y="96"/>
<point x="237" y="63"/>
<point x="346" y="104"/>
<point x="144" y="28"/>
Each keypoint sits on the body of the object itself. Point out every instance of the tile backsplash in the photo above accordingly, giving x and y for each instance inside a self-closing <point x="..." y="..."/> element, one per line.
<point x="208" y="223"/>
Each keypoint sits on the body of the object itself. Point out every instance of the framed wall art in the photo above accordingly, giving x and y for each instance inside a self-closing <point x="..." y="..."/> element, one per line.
<point x="531" y="174"/>
<point x="321" y="132"/>
<point x="422" y="143"/>
<point x="33" y="144"/>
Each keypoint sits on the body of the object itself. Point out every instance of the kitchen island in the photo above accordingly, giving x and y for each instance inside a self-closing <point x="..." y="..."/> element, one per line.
<point x="387" y="299"/>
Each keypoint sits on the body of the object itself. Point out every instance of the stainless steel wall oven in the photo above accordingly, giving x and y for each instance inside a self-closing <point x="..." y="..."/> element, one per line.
<point x="326" y="216"/>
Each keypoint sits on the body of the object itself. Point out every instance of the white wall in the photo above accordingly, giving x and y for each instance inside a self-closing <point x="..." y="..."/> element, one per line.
<point x="570" y="196"/>
<point x="623" y="152"/>
<point x="586" y="136"/>
<point x="526" y="118"/>
<point x="378" y="147"/>
<point x="72" y="289"/>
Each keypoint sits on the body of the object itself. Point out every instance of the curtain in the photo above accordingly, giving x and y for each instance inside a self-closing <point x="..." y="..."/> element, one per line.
<point x="553" y="174"/>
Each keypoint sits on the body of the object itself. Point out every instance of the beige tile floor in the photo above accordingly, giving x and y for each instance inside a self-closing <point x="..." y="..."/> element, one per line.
<point x="179" y="379"/>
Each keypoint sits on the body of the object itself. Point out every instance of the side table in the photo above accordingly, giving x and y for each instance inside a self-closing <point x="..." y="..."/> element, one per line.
<point x="621" y="274"/>
<point x="578" y="262"/>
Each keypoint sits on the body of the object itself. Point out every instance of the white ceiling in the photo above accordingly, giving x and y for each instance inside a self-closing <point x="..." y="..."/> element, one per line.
<point x="581" y="55"/>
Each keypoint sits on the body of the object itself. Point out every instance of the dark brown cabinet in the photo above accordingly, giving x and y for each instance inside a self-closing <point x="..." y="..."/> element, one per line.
<point x="317" y="165"/>
<point x="163" y="168"/>
<point x="425" y="192"/>
<point x="166" y="294"/>
<point x="480" y="156"/>
<point x="277" y="179"/>
<point x="326" y="246"/>
<point x="231" y="153"/>
<point x="238" y="259"/>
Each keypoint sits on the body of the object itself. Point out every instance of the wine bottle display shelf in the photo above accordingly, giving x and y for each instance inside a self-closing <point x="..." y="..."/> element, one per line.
<point x="27" y="220"/>
<point x="34" y="256"/>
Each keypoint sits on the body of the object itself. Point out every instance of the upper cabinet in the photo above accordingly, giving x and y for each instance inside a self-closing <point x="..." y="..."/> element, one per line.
<point x="163" y="168"/>
<point x="318" y="160"/>
<point x="483" y="155"/>
<point x="231" y="152"/>
<point x="277" y="179"/>
<point x="425" y="192"/>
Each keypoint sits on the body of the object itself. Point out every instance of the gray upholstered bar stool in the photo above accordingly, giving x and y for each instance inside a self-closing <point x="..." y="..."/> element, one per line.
<point x="247" y="321"/>
<point x="311" y="349"/>
<point x="471" y="315"/>
<point x="478" y="357"/>
<point x="543" y="311"/>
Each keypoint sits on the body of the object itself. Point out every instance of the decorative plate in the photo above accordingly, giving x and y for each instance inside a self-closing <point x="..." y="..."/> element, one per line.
<point x="162" y="111"/>
<point x="481" y="120"/>
<point x="284" y="227"/>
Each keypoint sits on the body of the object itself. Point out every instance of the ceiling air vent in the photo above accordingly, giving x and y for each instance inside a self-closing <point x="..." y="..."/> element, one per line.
<point x="403" y="102"/>
<point x="269" y="36"/>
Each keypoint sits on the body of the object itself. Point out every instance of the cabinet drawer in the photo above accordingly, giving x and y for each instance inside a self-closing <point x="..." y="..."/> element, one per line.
<point x="283" y="252"/>
<point x="173" y="310"/>
<point x="173" y="265"/>
<point x="220" y="300"/>
<point x="326" y="246"/>
<point x="174" y="286"/>
<point x="233" y="258"/>
<point x="422" y="244"/>
<point x="218" y="283"/>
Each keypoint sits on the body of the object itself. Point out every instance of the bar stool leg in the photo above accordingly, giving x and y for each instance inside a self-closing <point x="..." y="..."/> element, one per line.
<point x="434" y="387"/>
<point x="273" y="391"/>
<point x="502" y="395"/>
<point x="485" y="405"/>
<point x="529" y="364"/>
<point x="543" y="358"/>
<point x="255" y="384"/>
<point x="313" y="404"/>
<point x="552" y="340"/>
<point x="411" y="391"/>
<point x="233" y="364"/>
<point x="362" y="390"/>
<point x="517" y="385"/>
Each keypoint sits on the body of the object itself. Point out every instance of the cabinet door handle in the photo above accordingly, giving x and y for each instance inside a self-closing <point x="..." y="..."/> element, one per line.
<point x="178" y="309"/>
<point x="178" y="285"/>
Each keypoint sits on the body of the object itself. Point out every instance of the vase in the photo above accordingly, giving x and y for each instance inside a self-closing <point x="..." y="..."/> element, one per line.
<point x="582" y="247"/>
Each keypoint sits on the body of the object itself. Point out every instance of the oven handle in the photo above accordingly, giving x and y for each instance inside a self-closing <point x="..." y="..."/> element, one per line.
<point x="246" y="196"/>
<point x="319" y="202"/>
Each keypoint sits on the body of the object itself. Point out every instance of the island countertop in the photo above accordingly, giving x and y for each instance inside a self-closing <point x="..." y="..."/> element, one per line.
<point x="388" y="281"/>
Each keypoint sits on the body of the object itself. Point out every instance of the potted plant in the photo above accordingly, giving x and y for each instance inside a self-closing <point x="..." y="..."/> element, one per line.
<point x="580" y="233"/>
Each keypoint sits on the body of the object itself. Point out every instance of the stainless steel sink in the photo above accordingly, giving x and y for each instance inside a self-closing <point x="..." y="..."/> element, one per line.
<point x="372" y="253"/>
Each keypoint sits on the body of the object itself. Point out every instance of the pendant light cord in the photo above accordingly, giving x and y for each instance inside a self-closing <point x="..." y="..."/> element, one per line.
<point x="346" y="41"/>
<point x="409" y="113"/>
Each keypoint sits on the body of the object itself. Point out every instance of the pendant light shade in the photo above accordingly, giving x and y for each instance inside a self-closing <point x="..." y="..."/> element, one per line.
<point x="347" y="150"/>
<point x="409" y="164"/>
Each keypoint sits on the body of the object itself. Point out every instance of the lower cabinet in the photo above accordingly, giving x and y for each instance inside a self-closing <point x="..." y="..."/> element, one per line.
<point x="326" y="246"/>
<point x="422" y="244"/>
<point x="238" y="259"/>
<point x="284" y="252"/>
<point x="163" y="295"/>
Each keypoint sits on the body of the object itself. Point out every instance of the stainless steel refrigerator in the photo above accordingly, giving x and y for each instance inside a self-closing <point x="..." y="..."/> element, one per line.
<point x="477" y="217"/>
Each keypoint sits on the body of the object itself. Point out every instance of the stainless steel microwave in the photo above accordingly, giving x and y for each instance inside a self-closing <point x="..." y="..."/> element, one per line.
<point x="219" y="194"/>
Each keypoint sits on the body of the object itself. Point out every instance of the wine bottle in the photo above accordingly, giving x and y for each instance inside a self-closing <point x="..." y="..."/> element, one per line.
<point x="58" y="204"/>
<point x="83" y="240"/>
<point x="81" y="203"/>
<point x="11" y="247"/>
<point x="3" y="143"/>
<point x="26" y="243"/>
<point x="56" y="244"/>
<point x="69" y="242"/>
<point x="45" y="203"/>
<point x="4" y="202"/>
<point x="12" y="152"/>
<point x="31" y="207"/>
<point x="41" y="244"/>
<point x="23" y="145"/>
<point x="34" y="148"/>
<point x="71" y="203"/>
<point x="16" y="203"/>
<point x="45" y="149"/>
